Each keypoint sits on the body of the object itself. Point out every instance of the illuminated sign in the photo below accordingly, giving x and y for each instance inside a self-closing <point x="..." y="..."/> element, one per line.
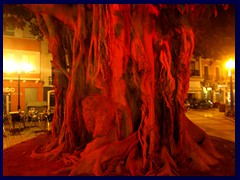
<point x="7" y="89"/>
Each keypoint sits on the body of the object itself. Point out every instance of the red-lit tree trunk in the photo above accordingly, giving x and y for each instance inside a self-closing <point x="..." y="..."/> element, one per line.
<point x="120" y="109"/>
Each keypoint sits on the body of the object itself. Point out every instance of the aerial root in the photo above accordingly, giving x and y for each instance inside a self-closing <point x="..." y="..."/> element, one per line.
<point x="134" y="162"/>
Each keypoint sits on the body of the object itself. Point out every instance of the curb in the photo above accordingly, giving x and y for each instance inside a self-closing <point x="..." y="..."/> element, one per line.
<point x="229" y="118"/>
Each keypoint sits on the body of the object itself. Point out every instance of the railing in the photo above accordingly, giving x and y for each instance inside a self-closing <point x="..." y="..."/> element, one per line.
<point x="208" y="77"/>
<point x="195" y="73"/>
<point x="215" y="78"/>
<point x="219" y="78"/>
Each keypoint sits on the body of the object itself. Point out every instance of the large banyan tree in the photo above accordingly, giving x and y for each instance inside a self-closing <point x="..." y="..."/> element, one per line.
<point x="121" y="77"/>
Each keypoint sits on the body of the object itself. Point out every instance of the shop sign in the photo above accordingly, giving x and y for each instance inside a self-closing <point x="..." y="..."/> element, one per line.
<point x="7" y="89"/>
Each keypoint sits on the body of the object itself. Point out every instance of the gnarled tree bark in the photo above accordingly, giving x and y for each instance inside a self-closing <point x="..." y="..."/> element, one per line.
<point x="120" y="109"/>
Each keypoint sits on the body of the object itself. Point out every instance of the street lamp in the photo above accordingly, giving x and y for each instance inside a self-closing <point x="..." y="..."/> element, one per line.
<point x="19" y="106"/>
<point x="9" y="66"/>
<point x="230" y="65"/>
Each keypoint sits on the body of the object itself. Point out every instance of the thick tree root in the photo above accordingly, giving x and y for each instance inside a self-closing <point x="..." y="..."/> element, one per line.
<point x="64" y="171"/>
<point x="108" y="156"/>
<point x="163" y="165"/>
<point x="202" y="153"/>
<point x="52" y="155"/>
<point x="52" y="145"/>
<point x="103" y="160"/>
<point x="123" y="158"/>
<point x="201" y="138"/>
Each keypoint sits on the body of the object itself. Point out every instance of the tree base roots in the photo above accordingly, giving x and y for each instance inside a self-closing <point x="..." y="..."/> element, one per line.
<point x="105" y="156"/>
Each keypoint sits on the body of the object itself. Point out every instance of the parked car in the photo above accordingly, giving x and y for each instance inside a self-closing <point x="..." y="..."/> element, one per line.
<point x="203" y="104"/>
<point x="191" y="102"/>
<point x="216" y="104"/>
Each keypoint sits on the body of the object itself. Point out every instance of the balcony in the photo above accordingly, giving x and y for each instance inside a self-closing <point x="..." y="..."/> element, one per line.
<point x="219" y="78"/>
<point x="194" y="73"/>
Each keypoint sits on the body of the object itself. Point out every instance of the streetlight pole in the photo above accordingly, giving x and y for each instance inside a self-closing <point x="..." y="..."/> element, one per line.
<point x="19" y="106"/>
<point x="230" y="65"/>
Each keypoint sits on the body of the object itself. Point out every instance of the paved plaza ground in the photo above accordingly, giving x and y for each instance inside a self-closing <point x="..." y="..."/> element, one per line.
<point x="214" y="123"/>
<point x="21" y="134"/>
<point x="18" y="146"/>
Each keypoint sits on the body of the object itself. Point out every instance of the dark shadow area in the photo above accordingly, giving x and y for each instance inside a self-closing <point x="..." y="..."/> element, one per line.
<point x="17" y="159"/>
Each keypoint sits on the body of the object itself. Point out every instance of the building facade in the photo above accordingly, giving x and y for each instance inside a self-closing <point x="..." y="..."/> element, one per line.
<point x="210" y="79"/>
<point x="21" y="48"/>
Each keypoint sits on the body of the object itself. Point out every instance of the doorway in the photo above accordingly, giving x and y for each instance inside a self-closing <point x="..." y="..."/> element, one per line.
<point x="30" y="96"/>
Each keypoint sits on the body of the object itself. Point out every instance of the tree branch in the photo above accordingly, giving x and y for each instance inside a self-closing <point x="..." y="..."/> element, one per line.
<point x="65" y="13"/>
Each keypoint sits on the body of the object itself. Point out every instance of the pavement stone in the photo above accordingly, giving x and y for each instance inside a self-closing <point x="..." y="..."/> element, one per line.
<point x="21" y="134"/>
<point x="214" y="123"/>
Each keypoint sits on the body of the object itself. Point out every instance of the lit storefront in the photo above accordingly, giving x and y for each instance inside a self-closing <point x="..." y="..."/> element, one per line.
<point x="21" y="73"/>
<point x="30" y="91"/>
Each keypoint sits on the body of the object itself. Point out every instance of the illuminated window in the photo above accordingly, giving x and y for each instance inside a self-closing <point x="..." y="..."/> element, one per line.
<point x="15" y="59"/>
